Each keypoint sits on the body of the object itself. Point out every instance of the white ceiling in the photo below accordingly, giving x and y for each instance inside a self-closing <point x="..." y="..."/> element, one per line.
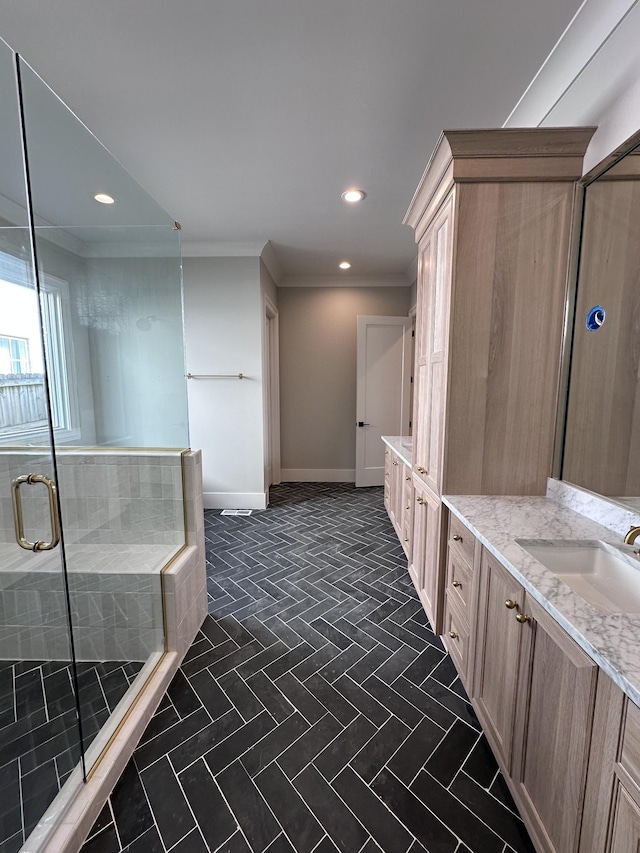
<point x="246" y="119"/>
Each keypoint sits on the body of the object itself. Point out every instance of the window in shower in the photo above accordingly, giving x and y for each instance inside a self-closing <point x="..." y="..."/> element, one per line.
<point x="14" y="355"/>
<point x="23" y="408"/>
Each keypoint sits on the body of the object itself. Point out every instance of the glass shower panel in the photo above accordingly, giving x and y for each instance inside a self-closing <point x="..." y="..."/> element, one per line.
<point x="39" y="735"/>
<point x="111" y="279"/>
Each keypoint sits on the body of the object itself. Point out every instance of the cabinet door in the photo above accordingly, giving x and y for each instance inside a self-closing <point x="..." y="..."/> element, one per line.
<point x="626" y="823"/>
<point x="397" y="491"/>
<point x="431" y="348"/>
<point x="420" y="373"/>
<point x="407" y="510"/>
<point x="425" y="554"/>
<point x="556" y="699"/>
<point x="387" y="481"/>
<point x="497" y="655"/>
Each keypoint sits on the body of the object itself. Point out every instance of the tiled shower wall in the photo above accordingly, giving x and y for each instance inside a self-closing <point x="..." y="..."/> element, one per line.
<point x="123" y="518"/>
<point x="106" y="496"/>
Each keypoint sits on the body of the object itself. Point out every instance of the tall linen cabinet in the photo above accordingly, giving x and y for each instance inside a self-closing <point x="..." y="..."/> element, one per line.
<point x="493" y="216"/>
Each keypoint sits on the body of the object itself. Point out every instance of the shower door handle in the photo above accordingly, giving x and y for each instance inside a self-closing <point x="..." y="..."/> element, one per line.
<point x="18" y="521"/>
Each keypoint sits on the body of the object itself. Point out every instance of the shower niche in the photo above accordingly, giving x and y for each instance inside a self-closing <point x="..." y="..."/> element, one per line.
<point x="102" y="581"/>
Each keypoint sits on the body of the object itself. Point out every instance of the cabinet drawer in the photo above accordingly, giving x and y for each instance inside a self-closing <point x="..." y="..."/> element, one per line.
<point x="460" y="537"/>
<point x="456" y="638"/>
<point x="459" y="580"/>
<point x="630" y="753"/>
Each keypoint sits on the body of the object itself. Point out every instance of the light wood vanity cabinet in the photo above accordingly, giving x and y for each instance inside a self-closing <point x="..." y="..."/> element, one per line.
<point x="497" y="656"/>
<point x="406" y="530"/>
<point x="555" y="701"/>
<point x="460" y="591"/>
<point x="493" y="218"/>
<point x="398" y="497"/>
<point x="612" y="805"/>
<point x="534" y="691"/>
<point x="425" y="548"/>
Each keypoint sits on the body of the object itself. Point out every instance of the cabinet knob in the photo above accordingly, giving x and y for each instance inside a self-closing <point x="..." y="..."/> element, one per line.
<point x="406" y="539"/>
<point x="408" y="479"/>
<point x="510" y="604"/>
<point x="422" y="470"/>
<point x="456" y="584"/>
<point x="395" y="461"/>
<point x="457" y="538"/>
<point x="421" y="501"/>
<point x="453" y="635"/>
<point x="521" y="618"/>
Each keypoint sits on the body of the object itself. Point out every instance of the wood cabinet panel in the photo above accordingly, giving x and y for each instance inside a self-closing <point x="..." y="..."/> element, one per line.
<point x="456" y="638"/>
<point x="497" y="656"/>
<point x="508" y="305"/>
<point x="630" y="755"/>
<point x="431" y="401"/>
<point x="605" y="743"/>
<point x="626" y="823"/>
<point x="461" y="538"/>
<point x="556" y="698"/>
<point x="425" y="554"/>
<point x="406" y="532"/>
<point x="459" y="581"/>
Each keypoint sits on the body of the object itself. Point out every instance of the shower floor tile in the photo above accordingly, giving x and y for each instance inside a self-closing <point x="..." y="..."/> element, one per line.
<point x="39" y="737"/>
<point x="315" y="711"/>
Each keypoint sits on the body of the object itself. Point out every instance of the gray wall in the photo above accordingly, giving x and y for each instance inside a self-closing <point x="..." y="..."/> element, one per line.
<point x="318" y="373"/>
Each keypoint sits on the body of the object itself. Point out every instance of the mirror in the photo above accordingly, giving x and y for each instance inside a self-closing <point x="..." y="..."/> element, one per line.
<point x="602" y="436"/>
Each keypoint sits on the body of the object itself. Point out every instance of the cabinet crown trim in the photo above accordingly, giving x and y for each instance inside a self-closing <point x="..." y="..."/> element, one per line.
<point x="516" y="154"/>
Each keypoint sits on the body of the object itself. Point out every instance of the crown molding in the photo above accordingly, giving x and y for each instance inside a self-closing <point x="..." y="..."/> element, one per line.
<point x="212" y="249"/>
<point x="586" y="34"/>
<point x="272" y="262"/>
<point x="344" y="281"/>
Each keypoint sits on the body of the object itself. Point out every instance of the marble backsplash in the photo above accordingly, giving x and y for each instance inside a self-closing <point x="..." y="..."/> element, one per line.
<point x="605" y="511"/>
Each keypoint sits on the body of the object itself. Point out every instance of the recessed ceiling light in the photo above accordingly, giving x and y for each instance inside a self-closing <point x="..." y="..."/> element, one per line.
<point x="103" y="198"/>
<point x="353" y="195"/>
<point x="345" y="265"/>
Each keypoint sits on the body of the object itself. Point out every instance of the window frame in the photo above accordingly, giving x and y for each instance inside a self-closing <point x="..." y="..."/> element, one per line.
<point x="54" y="312"/>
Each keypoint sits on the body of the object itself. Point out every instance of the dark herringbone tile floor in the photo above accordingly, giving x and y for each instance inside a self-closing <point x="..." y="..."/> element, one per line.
<point x="316" y="710"/>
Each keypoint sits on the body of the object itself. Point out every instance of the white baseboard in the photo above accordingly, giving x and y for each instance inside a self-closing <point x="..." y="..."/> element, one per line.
<point x="235" y="500"/>
<point x="318" y="475"/>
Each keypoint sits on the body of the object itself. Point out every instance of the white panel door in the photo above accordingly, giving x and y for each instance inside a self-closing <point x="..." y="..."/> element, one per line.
<point x="383" y="391"/>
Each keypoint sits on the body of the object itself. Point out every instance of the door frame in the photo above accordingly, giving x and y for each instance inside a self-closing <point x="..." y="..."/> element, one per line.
<point x="271" y="394"/>
<point x="362" y="321"/>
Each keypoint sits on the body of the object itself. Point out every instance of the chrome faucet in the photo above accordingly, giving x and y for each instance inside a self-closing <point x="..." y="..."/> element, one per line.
<point x="632" y="535"/>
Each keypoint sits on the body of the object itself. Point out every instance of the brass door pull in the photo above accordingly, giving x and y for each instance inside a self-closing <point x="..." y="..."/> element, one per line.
<point x="395" y="461"/>
<point x="456" y="584"/>
<point x="422" y="470"/>
<point x="421" y="501"/>
<point x="18" y="520"/>
<point x="521" y="618"/>
<point x="453" y="635"/>
<point x="509" y="604"/>
<point x="408" y="479"/>
<point x="457" y="538"/>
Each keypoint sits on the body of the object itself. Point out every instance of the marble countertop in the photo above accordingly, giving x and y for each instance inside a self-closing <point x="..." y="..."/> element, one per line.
<point x="402" y="445"/>
<point x="611" y="639"/>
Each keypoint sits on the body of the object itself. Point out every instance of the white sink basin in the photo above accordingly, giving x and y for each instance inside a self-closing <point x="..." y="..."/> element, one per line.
<point x="605" y="576"/>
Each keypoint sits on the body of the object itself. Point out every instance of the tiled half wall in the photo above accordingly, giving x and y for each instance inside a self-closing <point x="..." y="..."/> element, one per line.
<point x="123" y="517"/>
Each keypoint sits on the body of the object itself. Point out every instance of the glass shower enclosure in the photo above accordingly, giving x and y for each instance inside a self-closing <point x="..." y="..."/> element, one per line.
<point x="93" y="426"/>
